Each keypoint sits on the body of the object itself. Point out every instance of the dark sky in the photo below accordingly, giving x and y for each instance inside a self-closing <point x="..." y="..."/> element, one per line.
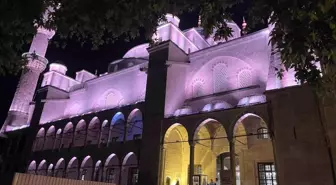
<point x="77" y="58"/>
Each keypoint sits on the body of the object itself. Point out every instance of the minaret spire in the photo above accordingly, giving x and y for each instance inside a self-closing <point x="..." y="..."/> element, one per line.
<point x="244" y="25"/>
<point x="199" y="21"/>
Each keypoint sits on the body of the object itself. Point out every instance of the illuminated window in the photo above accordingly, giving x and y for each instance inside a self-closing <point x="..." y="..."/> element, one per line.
<point x="263" y="133"/>
<point x="267" y="174"/>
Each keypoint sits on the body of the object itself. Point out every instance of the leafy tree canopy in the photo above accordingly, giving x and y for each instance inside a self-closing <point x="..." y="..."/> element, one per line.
<point x="303" y="30"/>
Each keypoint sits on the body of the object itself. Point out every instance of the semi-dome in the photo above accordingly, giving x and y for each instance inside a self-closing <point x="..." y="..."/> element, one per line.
<point x="251" y="100"/>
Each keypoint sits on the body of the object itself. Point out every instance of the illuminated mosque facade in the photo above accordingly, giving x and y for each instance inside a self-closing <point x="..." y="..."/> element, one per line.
<point x="184" y="110"/>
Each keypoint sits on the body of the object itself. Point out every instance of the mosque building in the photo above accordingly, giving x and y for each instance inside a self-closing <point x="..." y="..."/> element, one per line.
<point x="186" y="110"/>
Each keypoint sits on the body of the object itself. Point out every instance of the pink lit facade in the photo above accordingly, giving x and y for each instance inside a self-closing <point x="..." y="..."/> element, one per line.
<point x="185" y="103"/>
<point x="211" y="67"/>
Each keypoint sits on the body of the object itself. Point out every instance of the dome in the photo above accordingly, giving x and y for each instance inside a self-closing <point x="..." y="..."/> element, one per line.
<point x="183" y="111"/>
<point x="139" y="51"/>
<point x="125" y="63"/>
<point x="58" y="67"/>
<point x="222" y="105"/>
<point x="251" y="100"/>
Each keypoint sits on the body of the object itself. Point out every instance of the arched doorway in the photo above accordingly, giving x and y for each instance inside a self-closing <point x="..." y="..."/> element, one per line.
<point x="39" y="140"/>
<point x="130" y="170"/>
<point x="134" y="125"/>
<point x="32" y="168"/>
<point x="72" y="169"/>
<point x="210" y="141"/>
<point x="112" y="169"/>
<point x="80" y="134"/>
<point x="59" y="168"/>
<point x="42" y="168"/>
<point x="50" y="138"/>
<point x="67" y="138"/>
<point x="254" y="151"/>
<point x="176" y="154"/>
<point x="117" y="131"/>
<point x="93" y="132"/>
<point x="86" y="169"/>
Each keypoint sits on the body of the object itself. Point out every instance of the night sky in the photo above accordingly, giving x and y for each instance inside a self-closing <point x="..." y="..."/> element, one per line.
<point x="77" y="58"/>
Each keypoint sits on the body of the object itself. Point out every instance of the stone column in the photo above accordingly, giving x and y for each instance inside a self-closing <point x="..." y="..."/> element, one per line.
<point x="191" y="163"/>
<point x="233" y="161"/>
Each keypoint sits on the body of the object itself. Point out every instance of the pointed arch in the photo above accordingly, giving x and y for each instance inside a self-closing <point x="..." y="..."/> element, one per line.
<point x="134" y="125"/>
<point x="60" y="168"/>
<point x="112" y="169"/>
<point x="32" y="168"/>
<point x="80" y="133"/>
<point x="98" y="171"/>
<point x="86" y="169"/>
<point x="50" y="138"/>
<point x="42" y="168"/>
<point x="130" y="169"/>
<point x="50" y="171"/>
<point x="67" y="138"/>
<point x="248" y="146"/>
<point x="58" y="139"/>
<point x="72" y="169"/>
<point x="176" y="156"/>
<point x="39" y="140"/>
<point x="104" y="134"/>
<point x="117" y="128"/>
<point x="93" y="131"/>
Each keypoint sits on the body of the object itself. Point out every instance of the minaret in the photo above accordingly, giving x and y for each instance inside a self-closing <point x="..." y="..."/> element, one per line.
<point x="36" y="64"/>
<point x="244" y="32"/>
<point x="199" y="21"/>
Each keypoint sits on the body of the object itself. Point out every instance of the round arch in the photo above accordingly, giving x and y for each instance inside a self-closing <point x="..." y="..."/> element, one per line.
<point x="60" y="168"/>
<point x="42" y="168"/>
<point x="32" y="168"/>
<point x="80" y="134"/>
<point x="93" y="131"/>
<point x="117" y="128"/>
<point x="72" y="169"/>
<point x="210" y="140"/>
<point x="134" y="125"/>
<point x="50" y="138"/>
<point x="176" y="154"/>
<point x="67" y="138"/>
<point x="250" y="148"/>
<point x="39" y="140"/>
<point x="129" y="174"/>
<point x="86" y="168"/>
<point x="112" y="169"/>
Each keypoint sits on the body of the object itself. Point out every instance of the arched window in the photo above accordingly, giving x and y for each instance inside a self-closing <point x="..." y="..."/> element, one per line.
<point x="93" y="132"/>
<point x="262" y="133"/>
<point x="67" y="136"/>
<point x="197" y="89"/>
<point x="58" y="139"/>
<point x="134" y="125"/>
<point x="244" y="78"/>
<point x="220" y="78"/>
<point x="117" y="128"/>
<point x="50" y="138"/>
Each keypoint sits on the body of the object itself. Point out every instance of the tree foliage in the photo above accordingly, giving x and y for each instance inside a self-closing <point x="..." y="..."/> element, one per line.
<point x="304" y="31"/>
